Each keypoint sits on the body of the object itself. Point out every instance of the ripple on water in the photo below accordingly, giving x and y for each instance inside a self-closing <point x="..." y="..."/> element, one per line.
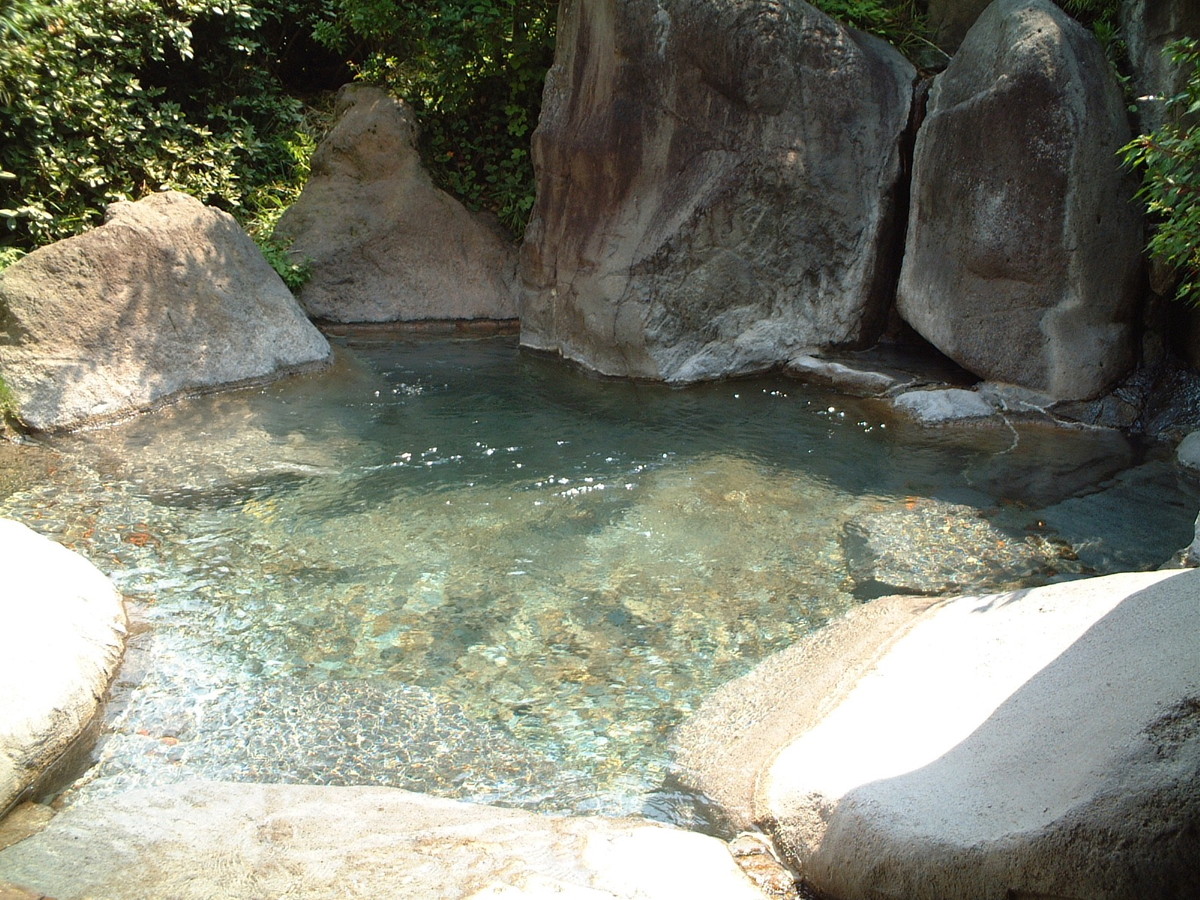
<point x="448" y="567"/>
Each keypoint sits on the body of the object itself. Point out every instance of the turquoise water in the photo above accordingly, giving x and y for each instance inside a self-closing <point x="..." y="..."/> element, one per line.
<point x="449" y="566"/>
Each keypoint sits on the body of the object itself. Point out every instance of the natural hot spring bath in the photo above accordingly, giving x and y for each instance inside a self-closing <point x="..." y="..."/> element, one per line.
<point x="452" y="567"/>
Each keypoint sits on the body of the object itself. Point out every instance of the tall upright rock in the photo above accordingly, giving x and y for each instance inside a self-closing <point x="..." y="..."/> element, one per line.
<point x="1024" y="241"/>
<point x="716" y="187"/>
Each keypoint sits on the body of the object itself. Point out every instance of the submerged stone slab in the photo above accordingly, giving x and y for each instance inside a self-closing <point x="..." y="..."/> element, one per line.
<point x="856" y="380"/>
<point x="1036" y="743"/>
<point x="716" y="187"/>
<point x="168" y="296"/>
<point x="1024" y="241"/>
<point x="939" y="407"/>
<point x="932" y="547"/>
<point x="384" y="244"/>
<point x="214" y="839"/>
<point x="64" y="628"/>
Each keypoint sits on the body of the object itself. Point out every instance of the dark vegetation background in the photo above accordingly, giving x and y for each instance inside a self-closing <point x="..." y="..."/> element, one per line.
<point x="102" y="100"/>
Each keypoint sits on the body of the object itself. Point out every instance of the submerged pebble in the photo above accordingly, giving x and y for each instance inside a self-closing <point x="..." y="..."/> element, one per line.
<point x="524" y="625"/>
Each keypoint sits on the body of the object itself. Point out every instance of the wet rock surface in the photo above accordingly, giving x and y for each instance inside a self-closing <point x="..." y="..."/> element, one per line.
<point x="945" y="405"/>
<point x="931" y="547"/>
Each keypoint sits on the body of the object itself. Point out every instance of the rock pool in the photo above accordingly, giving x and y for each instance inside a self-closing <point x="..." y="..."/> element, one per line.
<point x="452" y="567"/>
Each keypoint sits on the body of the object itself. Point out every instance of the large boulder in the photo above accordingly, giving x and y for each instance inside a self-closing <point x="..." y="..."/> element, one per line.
<point x="384" y="244"/>
<point x="64" y="627"/>
<point x="716" y="187"/>
<point x="209" y="839"/>
<point x="1036" y="743"/>
<point x="1024" y="242"/>
<point x="168" y="296"/>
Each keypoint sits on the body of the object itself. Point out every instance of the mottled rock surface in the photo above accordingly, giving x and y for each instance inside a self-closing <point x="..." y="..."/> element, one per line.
<point x="213" y="840"/>
<point x="716" y="187"/>
<point x="64" y="627"/>
<point x="168" y="296"/>
<point x="933" y="547"/>
<point x="384" y="243"/>
<point x="1036" y="743"/>
<point x="1023" y="240"/>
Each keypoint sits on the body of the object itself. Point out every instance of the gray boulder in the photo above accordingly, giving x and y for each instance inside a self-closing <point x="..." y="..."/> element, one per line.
<point x="1024" y="243"/>
<point x="212" y="839"/>
<point x="950" y="20"/>
<point x="384" y="244"/>
<point x="1148" y="26"/>
<point x="64" y="627"/>
<point x="1037" y="743"/>
<point x="168" y="296"/>
<point x="716" y="187"/>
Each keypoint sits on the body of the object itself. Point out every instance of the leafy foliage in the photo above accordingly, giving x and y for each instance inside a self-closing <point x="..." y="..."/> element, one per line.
<point x="473" y="70"/>
<point x="105" y="100"/>
<point x="1170" y="162"/>
<point x="900" y="22"/>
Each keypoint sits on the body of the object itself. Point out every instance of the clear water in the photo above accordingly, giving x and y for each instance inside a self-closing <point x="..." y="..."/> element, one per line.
<point x="452" y="567"/>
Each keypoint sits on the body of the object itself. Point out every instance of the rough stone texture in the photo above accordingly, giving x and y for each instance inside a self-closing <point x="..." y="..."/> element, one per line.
<point x="940" y="407"/>
<point x="64" y="627"/>
<point x="384" y="243"/>
<point x="24" y="820"/>
<point x="1023" y="240"/>
<point x="950" y="20"/>
<point x="168" y="296"/>
<point x="215" y="840"/>
<point x="1191" y="556"/>
<point x="1148" y="26"/>
<point x="933" y="547"/>
<point x="1039" y="743"/>
<point x="716" y="185"/>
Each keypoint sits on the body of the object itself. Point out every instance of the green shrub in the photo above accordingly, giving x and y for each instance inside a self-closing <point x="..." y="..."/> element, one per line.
<point x="1169" y="160"/>
<point x="105" y="100"/>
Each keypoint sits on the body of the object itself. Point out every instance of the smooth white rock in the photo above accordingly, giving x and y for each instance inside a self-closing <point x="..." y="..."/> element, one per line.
<point x="64" y="627"/>
<point x="219" y="840"/>
<point x="942" y="406"/>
